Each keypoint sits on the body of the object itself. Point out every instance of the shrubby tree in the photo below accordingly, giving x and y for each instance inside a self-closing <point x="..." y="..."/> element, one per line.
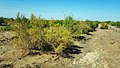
<point x="35" y="36"/>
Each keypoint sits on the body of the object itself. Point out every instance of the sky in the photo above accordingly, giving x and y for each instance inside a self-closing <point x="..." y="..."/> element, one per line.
<point x="102" y="10"/>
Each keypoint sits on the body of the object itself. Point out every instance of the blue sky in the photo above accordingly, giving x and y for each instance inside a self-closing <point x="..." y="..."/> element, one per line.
<point x="80" y="9"/>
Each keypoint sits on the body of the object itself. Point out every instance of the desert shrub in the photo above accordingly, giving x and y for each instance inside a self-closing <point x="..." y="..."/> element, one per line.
<point x="29" y="34"/>
<point x="1" y="20"/>
<point x="58" y="37"/>
<point x="59" y="22"/>
<point x="104" y="26"/>
<point x="113" y="23"/>
<point x="74" y="26"/>
<point x="70" y="23"/>
<point x="82" y="28"/>
<point x="92" y="24"/>
<point x="117" y="24"/>
<point x="36" y="36"/>
<point x="6" y="28"/>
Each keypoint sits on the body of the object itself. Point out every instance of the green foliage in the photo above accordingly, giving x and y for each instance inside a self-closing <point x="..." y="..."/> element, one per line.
<point x="6" y="28"/>
<point x="29" y="34"/>
<point x="82" y="28"/>
<point x="92" y="24"/>
<point x="117" y="24"/>
<point x="77" y="27"/>
<point x="1" y="20"/>
<point x="69" y="23"/>
<point x="4" y="21"/>
<point x="104" y="26"/>
<point x="58" y="36"/>
<point x="35" y="35"/>
<point x="21" y="18"/>
<point x="60" y="48"/>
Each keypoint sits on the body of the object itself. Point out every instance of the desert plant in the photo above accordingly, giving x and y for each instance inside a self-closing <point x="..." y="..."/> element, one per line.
<point x="58" y="37"/>
<point x="29" y="33"/>
<point x="92" y="24"/>
<point x="6" y="28"/>
<point x="35" y="35"/>
<point x="117" y="24"/>
<point x="104" y="26"/>
<point x="82" y="28"/>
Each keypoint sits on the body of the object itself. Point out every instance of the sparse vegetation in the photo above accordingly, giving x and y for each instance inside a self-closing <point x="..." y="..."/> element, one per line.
<point x="37" y="35"/>
<point x="104" y="26"/>
<point x="48" y="35"/>
<point x="6" y="28"/>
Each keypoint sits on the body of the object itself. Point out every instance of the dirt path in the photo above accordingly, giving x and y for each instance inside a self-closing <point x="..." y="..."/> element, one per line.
<point x="107" y="44"/>
<point x="102" y="50"/>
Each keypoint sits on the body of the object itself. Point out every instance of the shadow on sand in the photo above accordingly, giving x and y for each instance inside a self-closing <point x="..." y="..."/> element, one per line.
<point x="78" y="37"/>
<point x="73" y="49"/>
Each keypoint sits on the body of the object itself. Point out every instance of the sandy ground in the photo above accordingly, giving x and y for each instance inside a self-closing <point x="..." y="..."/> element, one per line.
<point x="101" y="49"/>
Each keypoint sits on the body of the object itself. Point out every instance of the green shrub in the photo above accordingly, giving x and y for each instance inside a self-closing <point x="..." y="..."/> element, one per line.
<point x="77" y="27"/>
<point x="70" y="24"/>
<point x="54" y="38"/>
<point x="60" y="48"/>
<point x="82" y="28"/>
<point x="104" y="26"/>
<point x="117" y="24"/>
<point x="30" y="34"/>
<point x="6" y="28"/>
<point x="92" y="24"/>
<point x="58" y="37"/>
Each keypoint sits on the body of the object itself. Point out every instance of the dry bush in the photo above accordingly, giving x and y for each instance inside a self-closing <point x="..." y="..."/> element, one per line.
<point x="58" y="37"/>
<point x="35" y="36"/>
<point x="104" y="26"/>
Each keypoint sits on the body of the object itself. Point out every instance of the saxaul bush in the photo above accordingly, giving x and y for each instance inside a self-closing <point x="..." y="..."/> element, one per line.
<point x="104" y="26"/>
<point x="79" y="27"/>
<point x="35" y="35"/>
<point x="58" y="37"/>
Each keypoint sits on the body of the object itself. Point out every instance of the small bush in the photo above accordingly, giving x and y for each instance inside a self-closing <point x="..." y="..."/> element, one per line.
<point x="117" y="24"/>
<point x="6" y="28"/>
<point x="82" y="28"/>
<point x="58" y="37"/>
<point x="92" y="25"/>
<point x="104" y="26"/>
<point x="54" y="38"/>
